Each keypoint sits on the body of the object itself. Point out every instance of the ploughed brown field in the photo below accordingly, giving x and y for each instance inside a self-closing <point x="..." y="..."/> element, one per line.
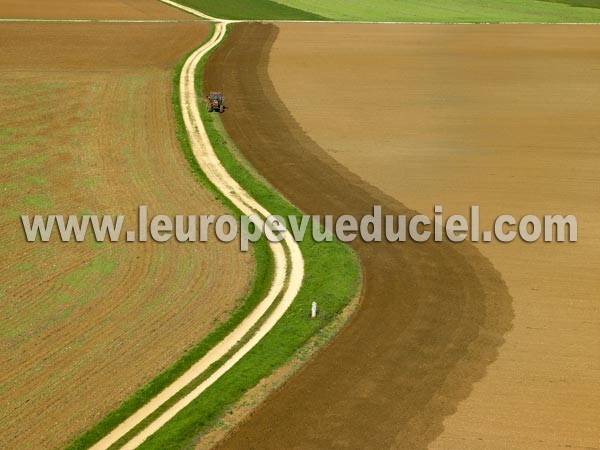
<point x="90" y="9"/>
<point x="454" y="345"/>
<point x="87" y="126"/>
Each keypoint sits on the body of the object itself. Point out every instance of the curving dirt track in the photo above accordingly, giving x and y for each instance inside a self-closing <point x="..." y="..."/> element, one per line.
<point x="288" y="268"/>
<point x="432" y="316"/>
<point x="88" y="126"/>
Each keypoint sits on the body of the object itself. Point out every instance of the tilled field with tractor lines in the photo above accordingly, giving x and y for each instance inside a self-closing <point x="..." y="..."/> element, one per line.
<point x="88" y="127"/>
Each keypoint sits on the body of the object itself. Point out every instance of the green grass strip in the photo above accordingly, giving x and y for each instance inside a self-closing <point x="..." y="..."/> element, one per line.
<point x="332" y="278"/>
<point x="262" y="282"/>
<point x="249" y="9"/>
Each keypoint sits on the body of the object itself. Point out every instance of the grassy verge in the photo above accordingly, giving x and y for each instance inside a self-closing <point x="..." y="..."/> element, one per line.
<point x="249" y="9"/>
<point x="332" y="277"/>
<point x="261" y="285"/>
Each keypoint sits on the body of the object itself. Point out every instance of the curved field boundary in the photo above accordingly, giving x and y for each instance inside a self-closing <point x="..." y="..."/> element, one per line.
<point x="332" y="290"/>
<point x="288" y="261"/>
<point x="432" y="315"/>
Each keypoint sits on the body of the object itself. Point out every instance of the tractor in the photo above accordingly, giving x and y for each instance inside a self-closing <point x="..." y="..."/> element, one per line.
<point x="215" y="102"/>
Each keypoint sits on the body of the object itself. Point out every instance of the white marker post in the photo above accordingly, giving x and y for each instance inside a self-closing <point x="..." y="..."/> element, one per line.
<point x="313" y="310"/>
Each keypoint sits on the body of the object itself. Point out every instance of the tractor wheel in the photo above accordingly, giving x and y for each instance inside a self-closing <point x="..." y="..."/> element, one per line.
<point x="209" y="107"/>
<point x="221" y="109"/>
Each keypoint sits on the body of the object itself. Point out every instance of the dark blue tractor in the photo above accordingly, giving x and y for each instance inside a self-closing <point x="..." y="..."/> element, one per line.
<point x="215" y="102"/>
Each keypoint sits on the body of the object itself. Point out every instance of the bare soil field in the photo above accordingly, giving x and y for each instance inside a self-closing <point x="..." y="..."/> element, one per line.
<point x="97" y="47"/>
<point x="96" y="9"/>
<point x="340" y="117"/>
<point x="91" y="130"/>
<point x="419" y="339"/>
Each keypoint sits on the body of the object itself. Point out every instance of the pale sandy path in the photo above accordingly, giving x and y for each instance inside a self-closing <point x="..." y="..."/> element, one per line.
<point x="194" y="12"/>
<point x="288" y="271"/>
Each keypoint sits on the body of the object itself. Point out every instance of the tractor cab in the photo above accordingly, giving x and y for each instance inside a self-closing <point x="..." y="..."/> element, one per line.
<point x="215" y="102"/>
